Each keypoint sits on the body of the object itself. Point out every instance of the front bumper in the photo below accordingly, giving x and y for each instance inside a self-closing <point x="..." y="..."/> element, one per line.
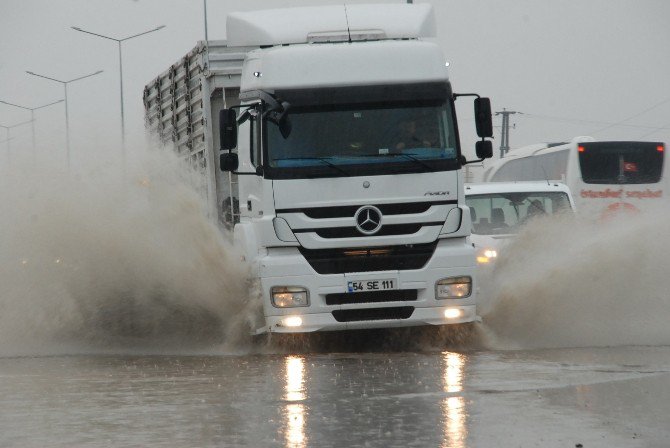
<point x="287" y="267"/>
<point x="326" y="322"/>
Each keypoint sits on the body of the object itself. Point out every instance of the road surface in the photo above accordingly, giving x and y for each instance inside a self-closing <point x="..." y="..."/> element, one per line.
<point x="590" y="397"/>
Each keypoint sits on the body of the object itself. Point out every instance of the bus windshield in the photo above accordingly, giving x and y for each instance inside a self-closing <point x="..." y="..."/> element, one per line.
<point x="505" y="213"/>
<point x="361" y="139"/>
<point x="621" y="162"/>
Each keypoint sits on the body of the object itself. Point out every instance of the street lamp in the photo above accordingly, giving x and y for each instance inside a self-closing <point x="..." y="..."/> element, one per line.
<point x="204" y="2"/>
<point x="8" y="129"/>
<point x="119" y="41"/>
<point x="6" y="140"/>
<point x="9" y="157"/>
<point x="32" y="115"/>
<point x="67" y="119"/>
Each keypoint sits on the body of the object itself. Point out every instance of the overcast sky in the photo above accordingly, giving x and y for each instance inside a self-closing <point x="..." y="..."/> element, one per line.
<point x="589" y="67"/>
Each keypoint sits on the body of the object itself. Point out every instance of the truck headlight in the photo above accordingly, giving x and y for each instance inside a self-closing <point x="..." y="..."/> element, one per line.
<point x="453" y="287"/>
<point x="485" y="256"/>
<point x="289" y="296"/>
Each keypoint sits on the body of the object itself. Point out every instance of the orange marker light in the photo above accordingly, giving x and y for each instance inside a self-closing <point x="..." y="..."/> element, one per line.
<point x="659" y="148"/>
<point x="580" y="148"/>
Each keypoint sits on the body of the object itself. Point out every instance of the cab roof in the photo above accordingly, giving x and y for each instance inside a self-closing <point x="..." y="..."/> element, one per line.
<point x="335" y="23"/>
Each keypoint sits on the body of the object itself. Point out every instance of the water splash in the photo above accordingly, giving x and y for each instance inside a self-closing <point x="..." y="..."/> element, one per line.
<point x="573" y="283"/>
<point x="100" y="260"/>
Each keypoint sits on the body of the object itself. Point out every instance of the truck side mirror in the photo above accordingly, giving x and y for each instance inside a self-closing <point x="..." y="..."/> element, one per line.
<point x="484" y="149"/>
<point x="285" y="126"/>
<point x="229" y="161"/>
<point x="483" y="120"/>
<point x="227" y="129"/>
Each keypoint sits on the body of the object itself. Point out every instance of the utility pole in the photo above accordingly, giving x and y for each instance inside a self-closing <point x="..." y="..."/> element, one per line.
<point x="504" y="138"/>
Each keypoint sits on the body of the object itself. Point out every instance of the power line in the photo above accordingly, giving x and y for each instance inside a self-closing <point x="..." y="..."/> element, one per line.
<point x="653" y="132"/>
<point x="504" y="141"/>
<point x="633" y="116"/>
<point x="591" y="122"/>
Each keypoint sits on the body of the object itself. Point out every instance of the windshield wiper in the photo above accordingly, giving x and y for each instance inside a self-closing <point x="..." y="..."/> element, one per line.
<point x="408" y="156"/>
<point x="416" y="159"/>
<point x="320" y="159"/>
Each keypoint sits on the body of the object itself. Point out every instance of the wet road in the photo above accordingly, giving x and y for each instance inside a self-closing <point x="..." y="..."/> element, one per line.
<point x="605" y="397"/>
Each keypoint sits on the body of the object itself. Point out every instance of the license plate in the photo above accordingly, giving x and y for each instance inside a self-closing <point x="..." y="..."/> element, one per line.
<point x="372" y="285"/>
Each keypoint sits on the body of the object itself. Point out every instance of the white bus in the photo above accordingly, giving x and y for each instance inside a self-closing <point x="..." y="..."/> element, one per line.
<point x="605" y="177"/>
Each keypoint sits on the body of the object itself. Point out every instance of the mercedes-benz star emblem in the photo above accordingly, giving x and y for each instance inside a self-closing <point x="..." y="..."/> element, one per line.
<point x="368" y="220"/>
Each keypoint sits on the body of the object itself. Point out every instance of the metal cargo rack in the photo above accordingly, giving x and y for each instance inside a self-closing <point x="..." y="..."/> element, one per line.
<point x="181" y="106"/>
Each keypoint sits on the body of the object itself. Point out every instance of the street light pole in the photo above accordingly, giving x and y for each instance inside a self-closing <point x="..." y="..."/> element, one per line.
<point x="8" y="129"/>
<point x="6" y="140"/>
<point x="119" y="42"/>
<point x="32" y="116"/>
<point x="123" y="119"/>
<point x="9" y="158"/>
<point x="67" y="119"/>
<point x="205" y="8"/>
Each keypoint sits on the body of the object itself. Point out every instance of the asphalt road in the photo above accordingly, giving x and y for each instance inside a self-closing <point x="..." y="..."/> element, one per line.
<point x="589" y="397"/>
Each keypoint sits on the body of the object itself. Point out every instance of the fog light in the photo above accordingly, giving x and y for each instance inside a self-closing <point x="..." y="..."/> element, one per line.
<point x="452" y="313"/>
<point x="453" y="288"/>
<point x="293" y="321"/>
<point x="289" y="296"/>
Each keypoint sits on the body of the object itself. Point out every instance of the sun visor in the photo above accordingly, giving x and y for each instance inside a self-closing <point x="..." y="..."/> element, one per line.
<point x="435" y="91"/>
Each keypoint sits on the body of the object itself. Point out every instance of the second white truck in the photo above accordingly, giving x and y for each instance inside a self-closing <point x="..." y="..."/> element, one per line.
<point x="499" y="210"/>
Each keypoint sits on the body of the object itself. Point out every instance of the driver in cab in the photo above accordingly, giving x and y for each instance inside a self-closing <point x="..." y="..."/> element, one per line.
<point x="410" y="137"/>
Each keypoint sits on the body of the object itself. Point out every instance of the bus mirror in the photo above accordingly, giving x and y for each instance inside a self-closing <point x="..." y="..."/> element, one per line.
<point x="483" y="120"/>
<point x="484" y="149"/>
<point x="229" y="161"/>
<point x="227" y="129"/>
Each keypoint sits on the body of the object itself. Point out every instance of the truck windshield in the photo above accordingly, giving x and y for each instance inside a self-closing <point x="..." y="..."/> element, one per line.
<point x="621" y="162"/>
<point x="505" y="213"/>
<point x="364" y="139"/>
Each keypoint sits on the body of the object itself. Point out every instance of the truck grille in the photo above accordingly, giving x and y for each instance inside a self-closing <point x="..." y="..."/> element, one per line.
<point x="367" y="259"/>
<point x="400" y="312"/>
<point x="350" y="210"/>
<point x="396" y="295"/>
<point x="427" y="217"/>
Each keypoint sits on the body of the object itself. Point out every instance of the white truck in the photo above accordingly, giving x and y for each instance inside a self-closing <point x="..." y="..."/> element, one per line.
<point x="336" y="161"/>
<point x="498" y="211"/>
